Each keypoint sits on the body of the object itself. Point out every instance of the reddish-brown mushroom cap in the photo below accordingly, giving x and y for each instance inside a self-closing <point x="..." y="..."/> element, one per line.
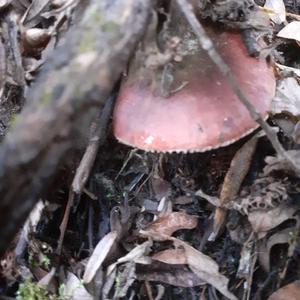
<point x="202" y="115"/>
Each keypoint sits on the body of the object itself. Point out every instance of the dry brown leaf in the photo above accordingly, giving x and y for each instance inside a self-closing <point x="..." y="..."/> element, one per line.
<point x="235" y="175"/>
<point x="177" y="275"/>
<point x="287" y="97"/>
<point x="205" y="268"/>
<point x="287" y="69"/>
<point x="288" y="292"/>
<point x="166" y="225"/>
<point x="264" y="220"/>
<point x="139" y="254"/>
<point x="202" y="265"/>
<point x="183" y="200"/>
<point x="171" y="256"/>
<point x="98" y="256"/>
<point x="291" y="31"/>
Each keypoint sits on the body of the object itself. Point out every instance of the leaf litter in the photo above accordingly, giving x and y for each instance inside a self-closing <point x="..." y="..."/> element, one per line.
<point x="159" y="223"/>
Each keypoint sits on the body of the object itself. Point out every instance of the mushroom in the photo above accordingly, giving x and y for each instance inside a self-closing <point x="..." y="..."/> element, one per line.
<point x="197" y="111"/>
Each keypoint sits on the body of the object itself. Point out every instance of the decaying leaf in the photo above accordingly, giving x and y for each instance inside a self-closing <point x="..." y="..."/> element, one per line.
<point x="75" y="290"/>
<point x="202" y="265"/>
<point x="205" y="268"/>
<point x="279" y="163"/>
<point x="248" y="255"/>
<point x="171" y="256"/>
<point x="98" y="256"/>
<point x="126" y="279"/>
<point x="109" y="282"/>
<point x="287" y="98"/>
<point x="136" y="255"/>
<point x="177" y="275"/>
<point x="288" y="292"/>
<point x="291" y="31"/>
<point x="265" y="246"/>
<point x="265" y="193"/>
<point x="264" y="220"/>
<point x="276" y="10"/>
<point x="235" y="175"/>
<point x="167" y="224"/>
<point x="287" y="69"/>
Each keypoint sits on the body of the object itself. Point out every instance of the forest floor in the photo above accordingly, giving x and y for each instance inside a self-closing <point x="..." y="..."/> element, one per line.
<point x="109" y="221"/>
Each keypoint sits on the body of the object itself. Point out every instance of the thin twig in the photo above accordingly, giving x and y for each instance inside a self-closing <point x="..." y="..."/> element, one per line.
<point x="98" y="136"/>
<point x="208" y="46"/>
<point x="64" y="222"/>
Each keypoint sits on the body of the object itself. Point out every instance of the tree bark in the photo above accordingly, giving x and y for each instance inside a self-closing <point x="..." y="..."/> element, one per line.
<point x="75" y="83"/>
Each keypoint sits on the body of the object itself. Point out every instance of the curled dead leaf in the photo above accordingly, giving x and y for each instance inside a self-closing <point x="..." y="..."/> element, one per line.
<point x="202" y="265"/>
<point x="166" y="225"/>
<point x="262" y="221"/>
<point x="171" y="256"/>
<point x="265" y="246"/>
<point x="205" y="268"/>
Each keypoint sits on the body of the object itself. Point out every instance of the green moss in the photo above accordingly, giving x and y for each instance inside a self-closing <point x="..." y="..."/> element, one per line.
<point x="29" y="290"/>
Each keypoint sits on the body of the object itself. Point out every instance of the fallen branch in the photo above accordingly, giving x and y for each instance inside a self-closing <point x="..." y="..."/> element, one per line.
<point x="62" y="104"/>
